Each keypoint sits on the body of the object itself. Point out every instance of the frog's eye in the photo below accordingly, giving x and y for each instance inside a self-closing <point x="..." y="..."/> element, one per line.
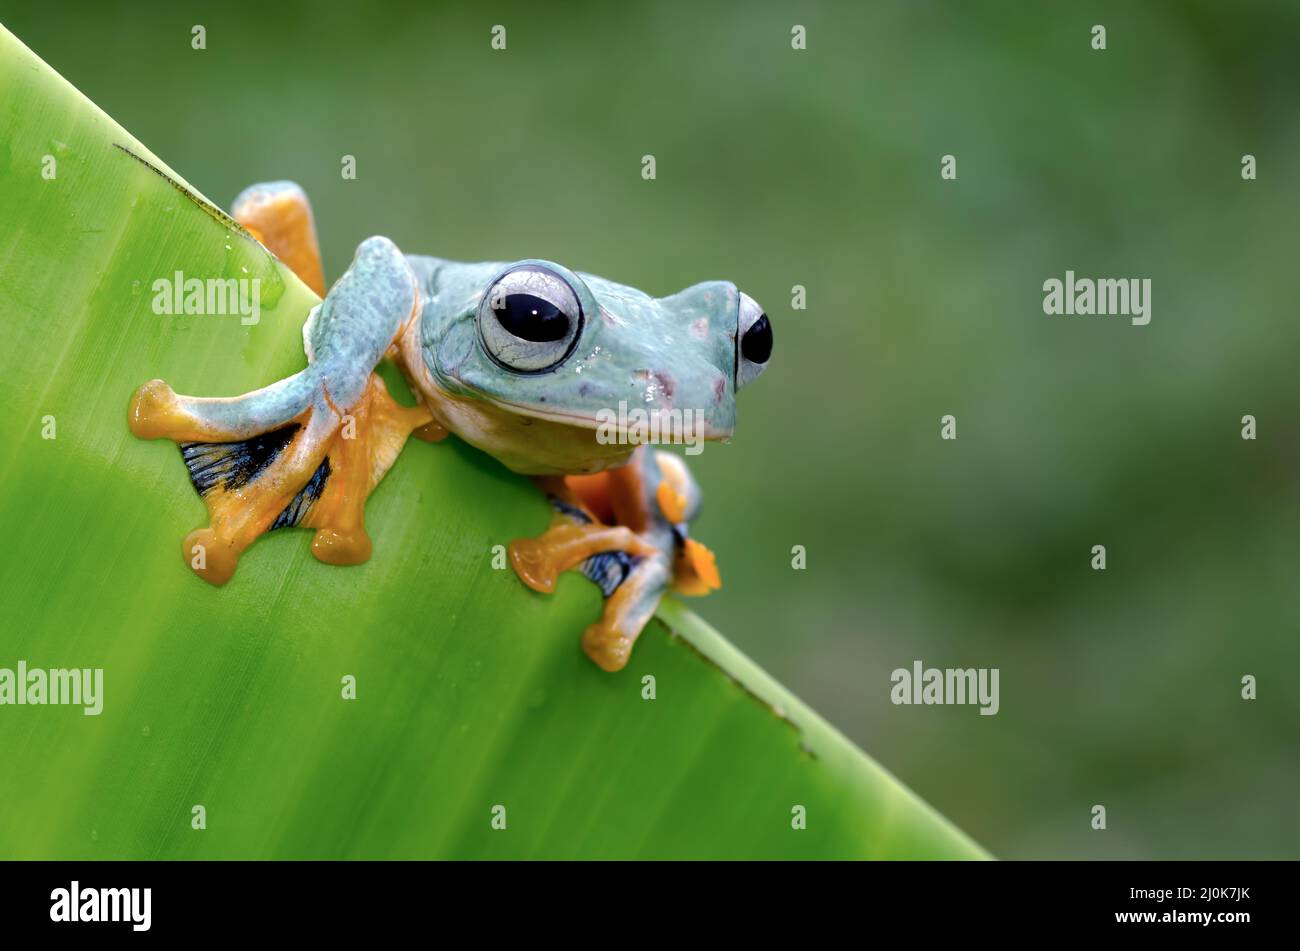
<point x="530" y="319"/>
<point x="753" y="341"/>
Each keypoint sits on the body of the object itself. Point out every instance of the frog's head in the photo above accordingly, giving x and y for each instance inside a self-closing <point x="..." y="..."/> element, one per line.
<point x="546" y="345"/>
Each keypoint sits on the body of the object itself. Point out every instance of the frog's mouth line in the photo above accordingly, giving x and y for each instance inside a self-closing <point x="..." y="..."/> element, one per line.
<point x="457" y="390"/>
<point x="584" y="421"/>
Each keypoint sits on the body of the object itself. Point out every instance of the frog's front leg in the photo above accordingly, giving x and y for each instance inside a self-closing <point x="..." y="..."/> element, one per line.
<point x="626" y="531"/>
<point x="309" y="449"/>
<point x="574" y="536"/>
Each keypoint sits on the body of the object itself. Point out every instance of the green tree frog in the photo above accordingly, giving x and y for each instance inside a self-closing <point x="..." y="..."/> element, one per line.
<point x="521" y="360"/>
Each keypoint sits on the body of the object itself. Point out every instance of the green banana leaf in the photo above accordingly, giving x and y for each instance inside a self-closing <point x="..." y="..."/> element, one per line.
<point x="473" y="700"/>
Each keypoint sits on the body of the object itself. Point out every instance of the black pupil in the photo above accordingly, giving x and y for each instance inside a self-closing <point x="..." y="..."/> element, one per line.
<point x="756" y="345"/>
<point x="532" y="318"/>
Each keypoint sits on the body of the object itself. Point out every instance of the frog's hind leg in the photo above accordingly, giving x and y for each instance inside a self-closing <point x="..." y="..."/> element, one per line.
<point x="278" y="214"/>
<point x="655" y="494"/>
<point x="630" y="570"/>
<point x="309" y="449"/>
<point x="626" y="530"/>
<point x="610" y="527"/>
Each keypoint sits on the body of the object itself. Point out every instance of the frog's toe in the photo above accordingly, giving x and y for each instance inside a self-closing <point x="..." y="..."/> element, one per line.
<point x="212" y="558"/>
<point x="336" y="547"/>
<point x="539" y="561"/>
<point x="430" y="432"/>
<point x="608" y="648"/>
<point x="153" y="412"/>
<point x="532" y="563"/>
<point x="696" y="569"/>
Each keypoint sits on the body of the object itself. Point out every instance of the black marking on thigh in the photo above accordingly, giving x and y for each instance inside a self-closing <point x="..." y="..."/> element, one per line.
<point x="572" y="511"/>
<point x="297" y="510"/>
<point x="232" y="465"/>
<point x="609" y="569"/>
<point x="210" y="209"/>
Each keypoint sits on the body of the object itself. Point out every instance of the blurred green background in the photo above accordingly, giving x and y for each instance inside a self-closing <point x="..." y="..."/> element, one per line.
<point x="821" y="168"/>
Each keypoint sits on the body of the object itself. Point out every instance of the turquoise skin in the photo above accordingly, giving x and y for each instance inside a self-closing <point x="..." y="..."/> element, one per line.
<point x="685" y="343"/>
<point x="654" y="353"/>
